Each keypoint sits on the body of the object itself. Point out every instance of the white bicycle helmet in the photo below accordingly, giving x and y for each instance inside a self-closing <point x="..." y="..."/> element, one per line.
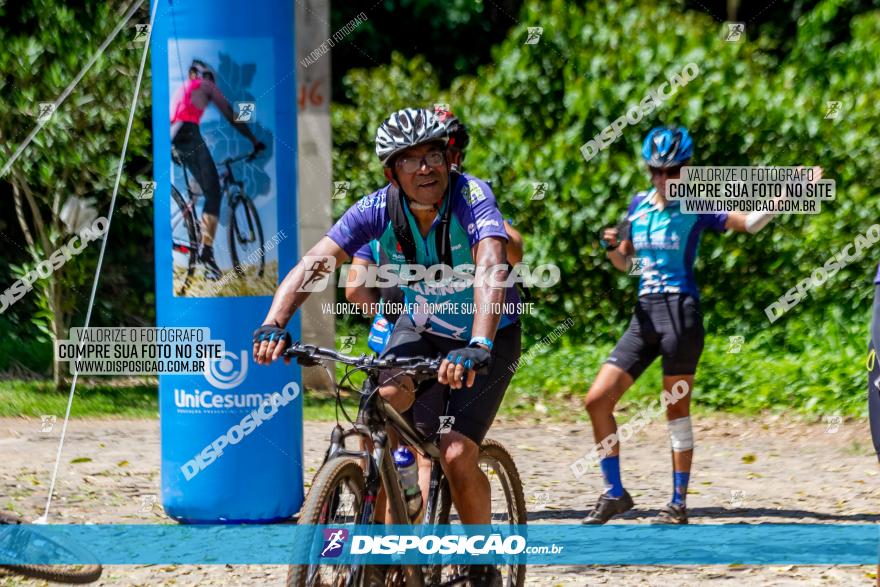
<point x="407" y="128"/>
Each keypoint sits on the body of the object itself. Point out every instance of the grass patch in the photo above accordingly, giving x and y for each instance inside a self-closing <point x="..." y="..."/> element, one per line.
<point x="823" y="374"/>
<point x="111" y="399"/>
<point x="814" y="375"/>
<point x="93" y="399"/>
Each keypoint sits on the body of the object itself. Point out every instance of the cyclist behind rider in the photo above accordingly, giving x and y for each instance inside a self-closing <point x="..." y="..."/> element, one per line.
<point x="188" y="148"/>
<point x="429" y="215"/>
<point x="667" y="321"/>
<point x="357" y="291"/>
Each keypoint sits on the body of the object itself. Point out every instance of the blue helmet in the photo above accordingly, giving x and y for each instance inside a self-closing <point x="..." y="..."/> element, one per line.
<point x="667" y="147"/>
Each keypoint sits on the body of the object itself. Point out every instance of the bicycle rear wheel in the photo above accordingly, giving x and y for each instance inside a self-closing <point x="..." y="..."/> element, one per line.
<point x="70" y="574"/>
<point x="184" y="243"/>
<point x="508" y="505"/>
<point x="246" y="236"/>
<point x="336" y="498"/>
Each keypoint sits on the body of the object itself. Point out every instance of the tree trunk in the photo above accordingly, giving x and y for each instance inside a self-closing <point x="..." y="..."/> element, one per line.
<point x="59" y="330"/>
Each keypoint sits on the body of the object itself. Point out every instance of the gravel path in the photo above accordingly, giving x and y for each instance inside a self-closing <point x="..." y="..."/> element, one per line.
<point x="764" y="469"/>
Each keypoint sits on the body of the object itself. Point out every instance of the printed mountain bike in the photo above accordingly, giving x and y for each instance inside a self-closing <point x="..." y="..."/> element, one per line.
<point x="345" y="488"/>
<point x="244" y="229"/>
<point x="15" y="543"/>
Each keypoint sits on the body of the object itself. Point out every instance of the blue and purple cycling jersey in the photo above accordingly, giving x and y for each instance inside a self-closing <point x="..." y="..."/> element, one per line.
<point x="666" y="243"/>
<point x="437" y="309"/>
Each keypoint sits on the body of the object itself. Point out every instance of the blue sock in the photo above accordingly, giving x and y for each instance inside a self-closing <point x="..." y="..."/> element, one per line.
<point x="611" y="472"/>
<point x="680" y="487"/>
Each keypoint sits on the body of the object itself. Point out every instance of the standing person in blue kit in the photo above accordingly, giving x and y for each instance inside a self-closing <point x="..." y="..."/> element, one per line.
<point x="667" y="321"/>
<point x="369" y="298"/>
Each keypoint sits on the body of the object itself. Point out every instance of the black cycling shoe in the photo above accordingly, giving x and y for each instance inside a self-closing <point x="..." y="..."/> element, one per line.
<point x="673" y="513"/>
<point x="206" y="257"/>
<point x="484" y="576"/>
<point x="607" y="507"/>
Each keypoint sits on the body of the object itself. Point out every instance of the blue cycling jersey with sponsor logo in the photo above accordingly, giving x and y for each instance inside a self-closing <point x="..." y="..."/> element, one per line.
<point x="666" y="243"/>
<point x="433" y="308"/>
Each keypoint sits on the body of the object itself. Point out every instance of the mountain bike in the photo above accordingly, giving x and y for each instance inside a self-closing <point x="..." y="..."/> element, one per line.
<point x="346" y="486"/>
<point x="14" y="544"/>
<point x="244" y="229"/>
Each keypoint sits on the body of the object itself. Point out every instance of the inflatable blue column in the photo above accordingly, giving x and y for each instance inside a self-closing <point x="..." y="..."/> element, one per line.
<point x="223" y="76"/>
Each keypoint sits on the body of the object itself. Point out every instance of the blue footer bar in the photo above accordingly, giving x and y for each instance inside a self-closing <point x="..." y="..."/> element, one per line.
<point x="548" y="544"/>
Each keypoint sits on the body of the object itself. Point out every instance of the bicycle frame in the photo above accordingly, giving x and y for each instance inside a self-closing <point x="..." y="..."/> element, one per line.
<point x="227" y="181"/>
<point x="377" y="453"/>
<point x="379" y="465"/>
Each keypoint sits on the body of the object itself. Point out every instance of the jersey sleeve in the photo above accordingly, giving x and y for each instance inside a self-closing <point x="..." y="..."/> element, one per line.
<point x="360" y="224"/>
<point x="365" y="253"/>
<point x="478" y="211"/>
<point x="714" y="222"/>
<point x="637" y="199"/>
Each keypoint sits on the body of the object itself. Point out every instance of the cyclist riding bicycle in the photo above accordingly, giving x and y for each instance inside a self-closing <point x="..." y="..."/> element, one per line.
<point x="391" y="297"/>
<point x="188" y="148"/>
<point x="431" y="215"/>
<point x="667" y="321"/>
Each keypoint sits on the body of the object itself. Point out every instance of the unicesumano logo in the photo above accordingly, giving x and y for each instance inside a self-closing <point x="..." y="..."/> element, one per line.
<point x="265" y="411"/>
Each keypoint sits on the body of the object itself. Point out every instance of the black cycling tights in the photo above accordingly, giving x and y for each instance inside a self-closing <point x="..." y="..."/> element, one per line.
<point x="189" y="149"/>
<point x="874" y="374"/>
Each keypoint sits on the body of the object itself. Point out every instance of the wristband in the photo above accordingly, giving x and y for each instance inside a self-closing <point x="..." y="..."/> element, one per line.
<point x="481" y="340"/>
<point x="755" y="221"/>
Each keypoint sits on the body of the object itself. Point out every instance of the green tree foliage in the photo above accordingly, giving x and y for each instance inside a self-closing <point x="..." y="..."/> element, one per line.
<point x="458" y="35"/>
<point x="76" y="153"/>
<point x="535" y="105"/>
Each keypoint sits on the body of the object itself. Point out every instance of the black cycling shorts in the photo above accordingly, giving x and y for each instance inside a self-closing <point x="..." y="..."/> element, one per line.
<point x="670" y="325"/>
<point x="873" y="366"/>
<point x="473" y="408"/>
<point x="188" y="148"/>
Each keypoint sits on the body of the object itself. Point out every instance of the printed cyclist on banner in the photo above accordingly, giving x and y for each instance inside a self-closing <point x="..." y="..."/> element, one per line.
<point x="215" y="181"/>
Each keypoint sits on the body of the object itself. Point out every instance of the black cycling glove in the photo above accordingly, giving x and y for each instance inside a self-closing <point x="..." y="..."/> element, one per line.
<point x="604" y="243"/>
<point x="623" y="233"/>
<point x="270" y="332"/>
<point x="472" y="357"/>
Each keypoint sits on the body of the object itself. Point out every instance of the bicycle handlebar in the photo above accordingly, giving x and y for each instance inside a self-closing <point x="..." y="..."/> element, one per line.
<point x="247" y="156"/>
<point x="307" y="354"/>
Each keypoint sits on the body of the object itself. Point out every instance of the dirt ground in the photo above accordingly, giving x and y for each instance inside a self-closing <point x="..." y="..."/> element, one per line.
<point x="763" y="469"/>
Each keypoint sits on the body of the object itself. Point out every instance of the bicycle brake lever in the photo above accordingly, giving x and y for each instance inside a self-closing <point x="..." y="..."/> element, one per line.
<point x="307" y="362"/>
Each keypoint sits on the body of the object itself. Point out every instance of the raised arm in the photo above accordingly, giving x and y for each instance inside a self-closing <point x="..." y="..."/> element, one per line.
<point x="225" y="109"/>
<point x="755" y="221"/>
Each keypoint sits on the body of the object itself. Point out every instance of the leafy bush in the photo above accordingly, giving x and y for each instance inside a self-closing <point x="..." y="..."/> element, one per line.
<point x="532" y="109"/>
<point x="760" y="377"/>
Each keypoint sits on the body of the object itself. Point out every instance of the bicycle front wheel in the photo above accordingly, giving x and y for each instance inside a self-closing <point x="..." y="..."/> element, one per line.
<point x="336" y="498"/>
<point x="70" y="574"/>
<point x="508" y="505"/>
<point x="184" y="242"/>
<point x="246" y="237"/>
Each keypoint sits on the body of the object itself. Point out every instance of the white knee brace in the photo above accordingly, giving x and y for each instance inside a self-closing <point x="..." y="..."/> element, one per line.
<point x="681" y="434"/>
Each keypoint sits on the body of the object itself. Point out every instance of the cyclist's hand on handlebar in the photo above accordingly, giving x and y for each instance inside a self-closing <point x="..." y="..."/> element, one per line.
<point x="460" y="366"/>
<point x="270" y="340"/>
